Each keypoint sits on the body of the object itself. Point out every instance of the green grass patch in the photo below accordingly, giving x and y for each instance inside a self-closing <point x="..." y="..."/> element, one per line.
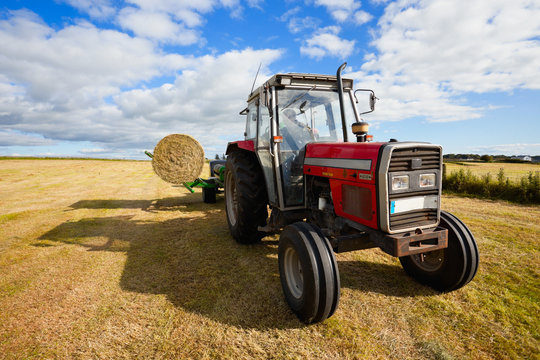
<point x="525" y="191"/>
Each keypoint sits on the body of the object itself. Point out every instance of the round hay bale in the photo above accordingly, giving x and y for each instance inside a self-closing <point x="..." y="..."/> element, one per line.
<point x="178" y="158"/>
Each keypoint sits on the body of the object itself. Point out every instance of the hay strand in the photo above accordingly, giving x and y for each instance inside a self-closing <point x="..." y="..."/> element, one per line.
<point x="178" y="158"/>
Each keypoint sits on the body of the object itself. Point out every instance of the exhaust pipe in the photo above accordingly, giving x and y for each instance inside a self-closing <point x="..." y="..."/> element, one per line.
<point x="341" y="102"/>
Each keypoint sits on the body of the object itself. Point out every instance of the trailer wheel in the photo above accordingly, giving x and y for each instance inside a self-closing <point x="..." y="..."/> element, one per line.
<point x="446" y="269"/>
<point x="209" y="194"/>
<point x="245" y="197"/>
<point x="308" y="272"/>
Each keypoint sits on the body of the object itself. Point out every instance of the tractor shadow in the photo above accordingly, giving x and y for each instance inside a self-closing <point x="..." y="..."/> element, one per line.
<point x="191" y="259"/>
<point x="185" y="203"/>
<point x="385" y="279"/>
<point x="195" y="263"/>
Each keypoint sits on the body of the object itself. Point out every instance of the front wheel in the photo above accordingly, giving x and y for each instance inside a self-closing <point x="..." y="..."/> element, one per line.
<point x="446" y="269"/>
<point x="308" y="272"/>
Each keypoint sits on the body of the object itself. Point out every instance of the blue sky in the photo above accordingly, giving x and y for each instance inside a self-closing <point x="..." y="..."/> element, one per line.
<point x="110" y="78"/>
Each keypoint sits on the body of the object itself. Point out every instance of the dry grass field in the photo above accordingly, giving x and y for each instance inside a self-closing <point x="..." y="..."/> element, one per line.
<point x="102" y="259"/>
<point x="513" y="171"/>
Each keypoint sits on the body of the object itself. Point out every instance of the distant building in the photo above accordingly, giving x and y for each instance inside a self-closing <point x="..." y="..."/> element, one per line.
<point x="522" y="157"/>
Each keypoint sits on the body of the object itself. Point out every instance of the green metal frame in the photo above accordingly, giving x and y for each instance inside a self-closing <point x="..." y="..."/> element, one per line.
<point x="216" y="183"/>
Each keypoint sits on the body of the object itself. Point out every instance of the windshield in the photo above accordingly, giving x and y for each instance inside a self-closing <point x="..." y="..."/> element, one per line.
<point x="316" y="111"/>
<point x="307" y="115"/>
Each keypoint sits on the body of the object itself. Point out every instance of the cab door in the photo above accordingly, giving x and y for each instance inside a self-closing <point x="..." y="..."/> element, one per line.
<point x="264" y="151"/>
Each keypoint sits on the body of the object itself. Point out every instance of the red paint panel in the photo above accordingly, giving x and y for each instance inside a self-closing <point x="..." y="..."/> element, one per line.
<point x="336" y="186"/>
<point x="248" y="145"/>
<point x="366" y="150"/>
<point x="360" y="176"/>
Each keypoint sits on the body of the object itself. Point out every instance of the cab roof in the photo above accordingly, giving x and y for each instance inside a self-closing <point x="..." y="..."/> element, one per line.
<point x="303" y="80"/>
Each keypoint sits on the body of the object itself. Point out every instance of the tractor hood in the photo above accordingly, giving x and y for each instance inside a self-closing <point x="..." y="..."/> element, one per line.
<point x="340" y="155"/>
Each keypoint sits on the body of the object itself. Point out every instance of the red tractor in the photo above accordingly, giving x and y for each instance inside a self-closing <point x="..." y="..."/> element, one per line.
<point x="307" y="157"/>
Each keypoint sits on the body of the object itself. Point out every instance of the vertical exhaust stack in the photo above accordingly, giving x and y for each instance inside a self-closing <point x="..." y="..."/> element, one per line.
<point x="341" y="103"/>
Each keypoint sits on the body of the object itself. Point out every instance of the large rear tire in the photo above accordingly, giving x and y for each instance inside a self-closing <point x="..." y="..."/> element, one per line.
<point x="447" y="269"/>
<point x="308" y="272"/>
<point x="245" y="197"/>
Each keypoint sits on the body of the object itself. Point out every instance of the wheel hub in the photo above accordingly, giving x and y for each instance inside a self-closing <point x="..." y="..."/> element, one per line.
<point x="293" y="273"/>
<point x="430" y="261"/>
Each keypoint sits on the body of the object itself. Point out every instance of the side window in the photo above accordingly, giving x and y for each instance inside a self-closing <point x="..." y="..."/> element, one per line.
<point x="264" y="127"/>
<point x="251" y="122"/>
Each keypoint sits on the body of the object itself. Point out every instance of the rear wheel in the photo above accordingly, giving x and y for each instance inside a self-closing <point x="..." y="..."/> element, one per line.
<point x="245" y="197"/>
<point x="308" y="272"/>
<point x="446" y="269"/>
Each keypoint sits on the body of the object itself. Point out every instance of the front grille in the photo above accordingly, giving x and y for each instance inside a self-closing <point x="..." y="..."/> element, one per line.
<point x="414" y="159"/>
<point x="414" y="218"/>
<point x="402" y="159"/>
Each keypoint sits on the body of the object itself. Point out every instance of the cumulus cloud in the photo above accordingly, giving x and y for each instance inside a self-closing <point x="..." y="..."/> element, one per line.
<point x="361" y="17"/>
<point x="158" y="26"/>
<point x="295" y="23"/>
<point x="77" y="64"/>
<point x="70" y="85"/>
<point x="326" y="42"/>
<point x="204" y="100"/>
<point x="100" y="9"/>
<point x="431" y="53"/>
<point x="13" y="138"/>
<point x="508" y="149"/>
<point x="343" y="10"/>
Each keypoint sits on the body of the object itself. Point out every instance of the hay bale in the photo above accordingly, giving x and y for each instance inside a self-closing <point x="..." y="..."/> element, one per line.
<point x="178" y="158"/>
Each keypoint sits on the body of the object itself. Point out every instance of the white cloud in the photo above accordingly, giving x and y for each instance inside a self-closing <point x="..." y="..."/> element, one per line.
<point x="189" y="11"/>
<point x="326" y="42"/>
<point x="158" y="26"/>
<point x="297" y="24"/>
<point x="67" y="85"/>
<point x="12" y="138"/>
<point x="74" y="65"/>
<point x="431" y="53"/>
<point x="507" y="149"/>
<point x="361" y="17"/>
<point x="100" y="9"/>
<point x="204" y="100"/>
<point x="341" y="10"/>
<point x="290" y="13"/>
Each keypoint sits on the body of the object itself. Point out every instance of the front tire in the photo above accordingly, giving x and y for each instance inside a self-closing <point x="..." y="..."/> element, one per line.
<point x="308" y="272"/>
<point x="446" y="269"/>
<point x="245" y="197"/>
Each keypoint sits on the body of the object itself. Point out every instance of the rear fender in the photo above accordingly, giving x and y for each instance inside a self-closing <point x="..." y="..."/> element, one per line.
<point x="248" y="145"/>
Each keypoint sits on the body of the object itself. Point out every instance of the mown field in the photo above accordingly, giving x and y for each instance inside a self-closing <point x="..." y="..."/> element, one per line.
<point x="512" y="171"/>
<point x="102" y="259"/>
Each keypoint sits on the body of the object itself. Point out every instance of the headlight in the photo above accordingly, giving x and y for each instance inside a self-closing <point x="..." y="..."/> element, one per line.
<point x="400" y="182"/>
<point x="427" y="180"/>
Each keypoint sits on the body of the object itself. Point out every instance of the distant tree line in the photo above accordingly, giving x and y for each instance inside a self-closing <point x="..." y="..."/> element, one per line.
<point x="490" y="158"/>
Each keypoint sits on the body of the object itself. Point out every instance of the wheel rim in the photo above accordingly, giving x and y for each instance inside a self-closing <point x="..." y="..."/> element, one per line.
<point x="293" y="273"/>
<point x="230" y="198"/>
<point x="430" y="261"/>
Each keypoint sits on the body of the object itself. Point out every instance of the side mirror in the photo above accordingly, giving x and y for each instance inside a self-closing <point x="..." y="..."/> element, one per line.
<point x="372" y="100"/>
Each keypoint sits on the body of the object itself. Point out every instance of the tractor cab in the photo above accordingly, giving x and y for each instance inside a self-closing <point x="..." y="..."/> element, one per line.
<point x="285" y="114"/>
